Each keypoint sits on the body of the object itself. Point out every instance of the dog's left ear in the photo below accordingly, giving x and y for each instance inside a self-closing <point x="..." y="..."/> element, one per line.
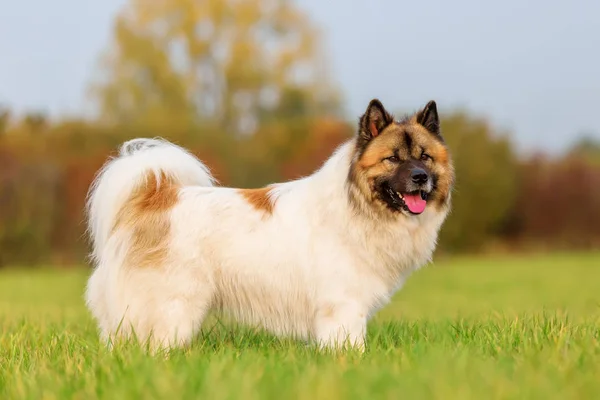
<point x="429" y="118"/>
<point x="373" y="121"/>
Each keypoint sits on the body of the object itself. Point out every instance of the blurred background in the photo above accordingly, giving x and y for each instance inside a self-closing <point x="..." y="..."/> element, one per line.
<point x="264" y="90"/>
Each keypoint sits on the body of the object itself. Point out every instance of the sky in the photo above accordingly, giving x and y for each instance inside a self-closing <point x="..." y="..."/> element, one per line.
<point x="532" y="68"/>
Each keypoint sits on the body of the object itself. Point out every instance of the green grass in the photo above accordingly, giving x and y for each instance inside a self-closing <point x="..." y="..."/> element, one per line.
<point x="478" y="328"/>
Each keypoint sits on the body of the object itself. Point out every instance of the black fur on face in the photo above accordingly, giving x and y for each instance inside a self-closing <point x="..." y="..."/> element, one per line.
<point x="409" y="177"/>
<point x="402" y="165"/>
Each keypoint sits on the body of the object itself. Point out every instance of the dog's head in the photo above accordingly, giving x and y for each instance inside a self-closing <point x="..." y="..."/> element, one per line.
<point x="402" y="167"/>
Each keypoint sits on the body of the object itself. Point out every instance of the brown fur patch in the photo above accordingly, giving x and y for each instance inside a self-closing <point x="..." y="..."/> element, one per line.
<point x="407" y="140"/>
<point x="381" y="147"/>
<point x="259" y="199"/>
<point x="146" y="216"/>
<point x="440" y="154"/>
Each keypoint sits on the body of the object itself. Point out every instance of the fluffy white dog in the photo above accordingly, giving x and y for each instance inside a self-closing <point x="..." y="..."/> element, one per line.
<point x="313" y="258"/>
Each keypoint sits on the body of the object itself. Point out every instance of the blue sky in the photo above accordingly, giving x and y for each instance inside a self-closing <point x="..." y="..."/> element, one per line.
<point x="529" y="67"/>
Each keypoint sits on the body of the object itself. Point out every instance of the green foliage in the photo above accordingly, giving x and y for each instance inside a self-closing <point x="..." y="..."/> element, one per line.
<point x="486" y="183"/>
<point x="466" y="328"/>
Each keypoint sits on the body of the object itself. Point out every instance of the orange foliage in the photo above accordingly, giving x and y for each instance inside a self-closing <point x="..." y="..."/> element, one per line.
<point x="323" y="137"/>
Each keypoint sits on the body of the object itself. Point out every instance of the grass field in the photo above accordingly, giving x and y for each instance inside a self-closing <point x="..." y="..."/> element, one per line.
<point x="472" y="328"/>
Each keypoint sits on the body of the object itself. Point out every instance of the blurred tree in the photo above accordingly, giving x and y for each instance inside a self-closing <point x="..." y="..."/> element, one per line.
<point x="28" y="208"/>
<point x="35" y="121"/>
<point x="236" y="64"/>
<point x="557" y="201"/>
<point x="587" y="148"/>
<point x="486" y="172"/>
<point x="4" y="119"/>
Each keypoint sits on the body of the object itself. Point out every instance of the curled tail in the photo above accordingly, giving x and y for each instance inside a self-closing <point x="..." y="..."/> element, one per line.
<point x="138" y="161"/>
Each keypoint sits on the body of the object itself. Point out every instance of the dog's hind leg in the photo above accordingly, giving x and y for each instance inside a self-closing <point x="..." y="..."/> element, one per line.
<point x="175" y="308"/>
<point x="162" y="307"/>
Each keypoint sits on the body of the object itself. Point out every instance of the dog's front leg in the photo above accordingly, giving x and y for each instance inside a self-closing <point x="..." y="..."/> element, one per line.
<point x="340" y="326"/>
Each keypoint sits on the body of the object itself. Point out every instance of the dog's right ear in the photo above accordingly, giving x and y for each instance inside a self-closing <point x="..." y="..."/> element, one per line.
<point x="373" y="121"/>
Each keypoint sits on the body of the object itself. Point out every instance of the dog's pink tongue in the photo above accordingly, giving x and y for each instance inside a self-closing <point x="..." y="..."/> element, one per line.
<point x="415" y="203"/>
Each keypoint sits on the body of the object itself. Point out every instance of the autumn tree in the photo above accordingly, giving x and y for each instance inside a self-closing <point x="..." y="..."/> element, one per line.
<point x="486" y="182"/>
<point x="4" y="119"/>
<point x="586" y="148"/>
<point x="235" y="64"/>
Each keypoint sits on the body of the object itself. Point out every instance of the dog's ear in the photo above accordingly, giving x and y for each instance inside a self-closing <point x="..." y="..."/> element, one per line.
<point x="429" y="118"/>
<point x="373" y="121"/>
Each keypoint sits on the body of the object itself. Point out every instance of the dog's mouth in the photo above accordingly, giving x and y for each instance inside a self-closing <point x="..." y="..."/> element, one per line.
<point x="413" y="202"/>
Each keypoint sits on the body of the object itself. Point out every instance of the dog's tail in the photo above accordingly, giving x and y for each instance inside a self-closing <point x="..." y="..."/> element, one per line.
<point x="138" y="161"/>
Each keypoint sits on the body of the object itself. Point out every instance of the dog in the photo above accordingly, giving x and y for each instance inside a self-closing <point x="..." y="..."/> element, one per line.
<point x="312" y="259"/>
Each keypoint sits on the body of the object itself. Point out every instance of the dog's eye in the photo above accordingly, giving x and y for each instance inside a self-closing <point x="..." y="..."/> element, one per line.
<point x="425" y="156"/>
<point x="393" y="159"/>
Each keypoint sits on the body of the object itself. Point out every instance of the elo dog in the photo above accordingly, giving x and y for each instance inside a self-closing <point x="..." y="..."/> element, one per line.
<point x="312" y="258"/>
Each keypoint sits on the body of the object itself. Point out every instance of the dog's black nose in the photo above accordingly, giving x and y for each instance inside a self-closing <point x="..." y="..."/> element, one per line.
<point x="419" y="176"/>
